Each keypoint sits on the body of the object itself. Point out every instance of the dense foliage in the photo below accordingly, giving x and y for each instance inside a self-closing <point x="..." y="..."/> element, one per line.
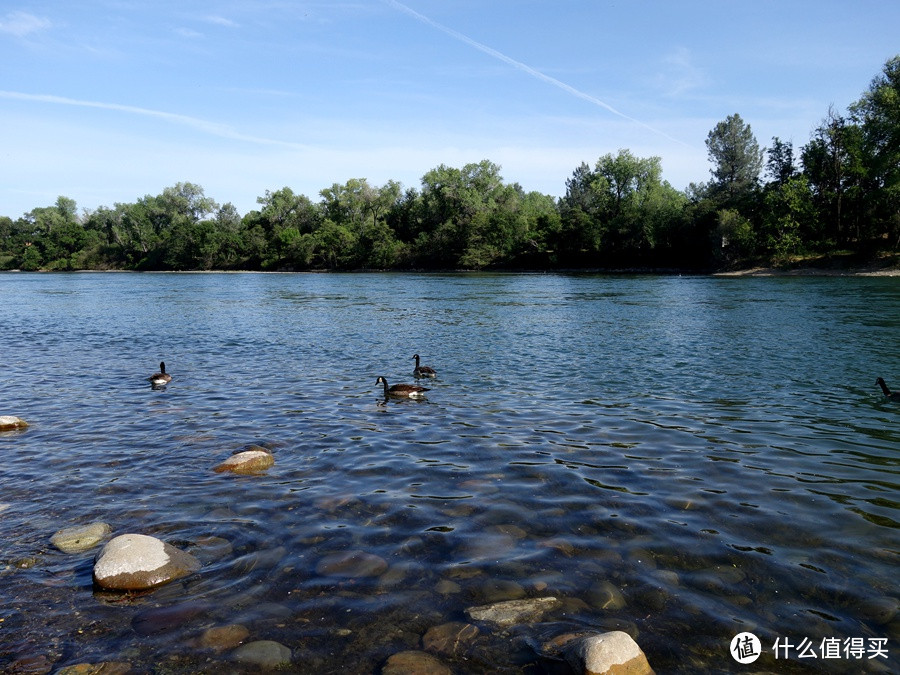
<point x="844" y="193"/>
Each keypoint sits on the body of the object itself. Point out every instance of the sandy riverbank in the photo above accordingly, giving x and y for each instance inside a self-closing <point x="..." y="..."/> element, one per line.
<point x="833" y="266"/>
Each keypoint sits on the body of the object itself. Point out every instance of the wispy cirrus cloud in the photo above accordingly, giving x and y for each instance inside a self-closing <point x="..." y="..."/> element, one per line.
<point x="204" y="126"/>
<point x="528" y="70"/>
<point x="680" y="75"/>
<point x="221" y="21"/>
<point x="21" y="24"/>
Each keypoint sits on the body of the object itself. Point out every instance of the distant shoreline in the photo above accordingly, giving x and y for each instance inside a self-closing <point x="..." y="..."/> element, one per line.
<point x="809" y="272"/>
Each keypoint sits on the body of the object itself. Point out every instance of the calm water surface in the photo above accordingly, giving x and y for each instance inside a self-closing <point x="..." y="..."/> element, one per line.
<point x="680" y="458"/>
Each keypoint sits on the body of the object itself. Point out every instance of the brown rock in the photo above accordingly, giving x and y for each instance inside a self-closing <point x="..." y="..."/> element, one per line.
<point x="137" y="562"/>
<point x="224" y="637"/>
<point x="513" y="612"/>
<point x="449" y="638"/>
<point x="352" y="564"/>
<point x="247" y="462"/>
<point x="10" y="422"/>
<point x="105" y="668"/>
<point x="414" y="663"/>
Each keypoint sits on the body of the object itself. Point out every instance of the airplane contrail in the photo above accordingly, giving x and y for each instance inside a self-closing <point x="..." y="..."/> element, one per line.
<point x="456" y="35"/>
<point x="213" y="128"/>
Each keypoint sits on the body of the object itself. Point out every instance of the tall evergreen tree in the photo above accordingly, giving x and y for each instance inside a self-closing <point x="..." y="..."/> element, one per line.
<point x="736" y="157"/>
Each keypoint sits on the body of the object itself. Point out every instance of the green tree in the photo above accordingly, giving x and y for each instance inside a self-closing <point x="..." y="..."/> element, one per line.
<point x="878" y="113"/>
<point x="833" y="165"/>
<point x="780" y="161"/>
<point x="457" y="208"/>
<point x="736" y="158"/>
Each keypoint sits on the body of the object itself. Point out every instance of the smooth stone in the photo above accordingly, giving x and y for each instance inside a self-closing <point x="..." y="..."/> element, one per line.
<point x="80" y="537"/>
<point x="513" y="612"/>
<point x="263" y="654"/>
<point x="414" y="663"/>
<point x="559" y="544"/>
<point x="613" y="653"/>
<point x="352" y="564"/>
<point x="447" y="587"/>
<point x="105" y="668"/>
<point x="247" y="462"/>
<point x="136" y="562"/>
<point x="604" y="595"/>
<point x="10" y="422"/>
<point x="495" y="590"/>
<point x="161" y="619"/>
<point x="449" y="638"/>
<point x="224" y="637"/>
<point x="211" y="549"/>
<point x="879" y="611"/>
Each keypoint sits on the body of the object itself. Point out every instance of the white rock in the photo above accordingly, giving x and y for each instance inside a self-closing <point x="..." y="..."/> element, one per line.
<point x="613" y="652"/>
<point x="136" y="561"/>
<point x="8" y="422"/>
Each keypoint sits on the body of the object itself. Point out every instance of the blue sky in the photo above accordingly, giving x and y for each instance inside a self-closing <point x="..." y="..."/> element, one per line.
<point x="105" y="101"/>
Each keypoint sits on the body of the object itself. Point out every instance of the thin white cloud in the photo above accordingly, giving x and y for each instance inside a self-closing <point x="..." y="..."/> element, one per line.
<point x="21" y="24"/>
<point x="205" y="126"/>
<point x="524" y="68"/>
<point x="680" y="74"/>
<point x="189" y="33"/>
<point x="221" y="21"/>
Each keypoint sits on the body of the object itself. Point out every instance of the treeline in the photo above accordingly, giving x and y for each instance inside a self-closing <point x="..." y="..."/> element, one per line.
<point x="840" y="191"/>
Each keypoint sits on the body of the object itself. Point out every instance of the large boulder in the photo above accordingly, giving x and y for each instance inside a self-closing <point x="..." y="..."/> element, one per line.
<point x="133" y="562"/>
<point x="613" y="653"/>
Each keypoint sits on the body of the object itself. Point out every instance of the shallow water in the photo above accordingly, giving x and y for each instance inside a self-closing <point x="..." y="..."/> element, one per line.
<point x="680" y="458"/>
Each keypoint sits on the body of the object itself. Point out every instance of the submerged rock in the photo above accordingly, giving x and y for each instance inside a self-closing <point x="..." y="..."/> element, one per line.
<point x="449" y="638"/>
<point x="10" y="422"/>
<point x="136" y="562"/>
<point x="607" y="654"/>
<point x="104" y="668"/>
<point x="266" y="654"/>
<point x="414" y="663"/>
<point x="224" y="637"/>
<point x="164" y="619"/>
<point x="80" y="537"/>
<point x="513" y="612"/>
<point x="352" y="564"/>
<point x="247" y="462"/>
<point x="605" y="595"/>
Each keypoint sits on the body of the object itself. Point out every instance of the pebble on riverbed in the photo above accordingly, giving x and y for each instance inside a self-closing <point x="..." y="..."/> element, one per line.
<point x="247" y="462"/>
<point x="10" y="422"/>
<point x="80" y="538"/>
<point x="513" y="612"/>
<point x="413" y="661"/>
<point x="133" y="562"/>
<point x="104" y="668"/>
<point x="263" y="654"/>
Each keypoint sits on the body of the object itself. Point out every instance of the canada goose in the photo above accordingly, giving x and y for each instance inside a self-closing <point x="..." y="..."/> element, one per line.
<point x="162" y="377"/>
<point x="401" y="390"/>
<point x="887" y="392"/>
<point x="423" y="371"/>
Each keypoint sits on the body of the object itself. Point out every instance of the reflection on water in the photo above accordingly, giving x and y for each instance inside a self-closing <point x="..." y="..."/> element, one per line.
<point x="680" y="458"/>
